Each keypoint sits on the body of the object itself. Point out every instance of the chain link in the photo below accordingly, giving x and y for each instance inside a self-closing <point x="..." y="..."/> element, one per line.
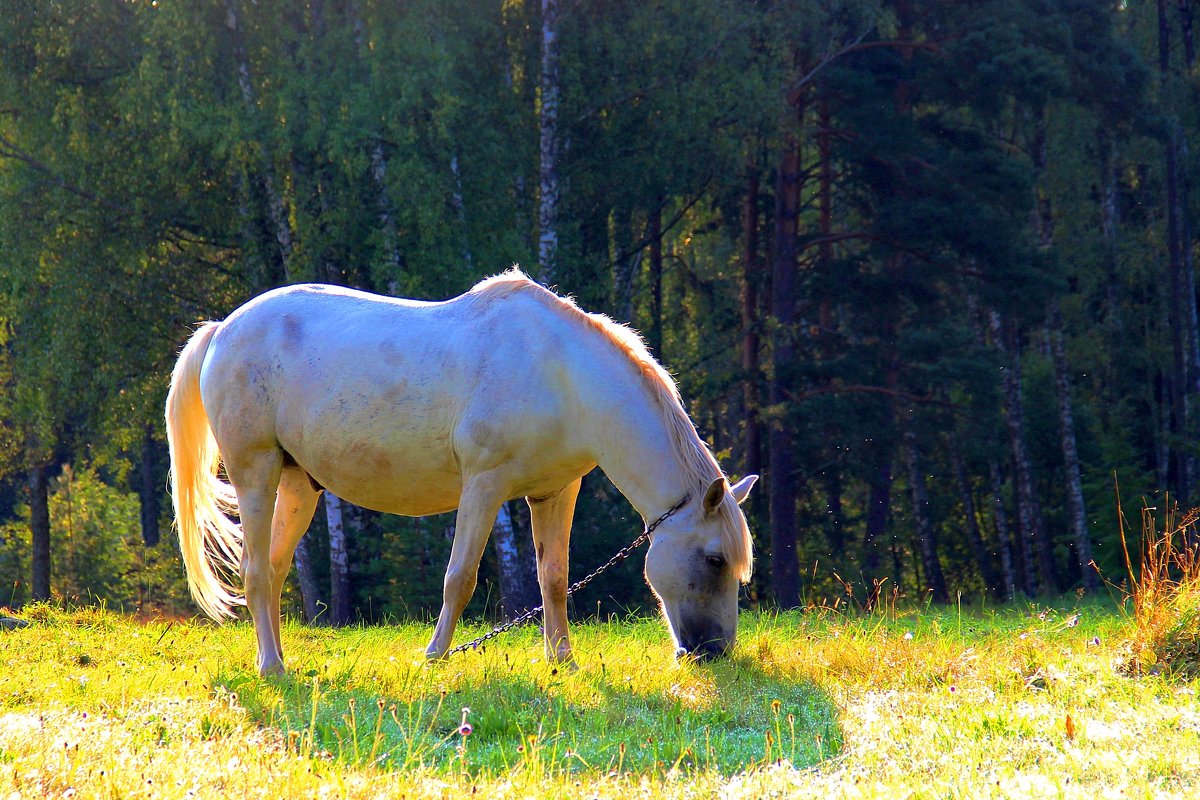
<point x="620" y="556"/>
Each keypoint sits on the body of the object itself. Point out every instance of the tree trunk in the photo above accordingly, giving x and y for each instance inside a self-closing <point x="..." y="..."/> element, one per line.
<point x="1192" y="313"/>
<point x="548" y="149"/>
<point x="987" y="565"/>
<point x="750" y="369"/>
<point x="149" y="489"/>
<point x="1037" y="549"/>
<point x="1160" y="407"/>
<point x="785" y="571"/>
<point x="518" y="574"/>
<point x="624" y="255"/>
<point x="1180" y="308"/>
<point x="310" y="590"/>
<point x="834" y="532"/>
<point x="832" y="475"/>
<point x="999" y="515"/>
<point x="339" y="563"/>
<point x="935" y="581"/>
<point x="655" y="339"/>
<point x="1178" y="383"/>
<point x="1003" y="537"/>
<point x="1185" y="29"/>
<point x="825" y="222"/>
<point x="383" y="210"/>
<point x="460" y="212"/>
<point x="1077" y="515"/>
<point x="281" y="226"/>
<point x="383" y="204"/>
<point x="39" y="524"/>
<point x="1109" y="222"/>
<point x="879" y="511"/>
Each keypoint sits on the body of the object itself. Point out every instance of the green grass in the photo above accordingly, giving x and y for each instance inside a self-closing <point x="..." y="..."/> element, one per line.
<point x="1014" y="702"/>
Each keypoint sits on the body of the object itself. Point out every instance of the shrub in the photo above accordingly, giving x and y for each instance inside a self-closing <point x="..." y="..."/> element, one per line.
<point x="96" y="551"/>
<point x="1165" y="593"/>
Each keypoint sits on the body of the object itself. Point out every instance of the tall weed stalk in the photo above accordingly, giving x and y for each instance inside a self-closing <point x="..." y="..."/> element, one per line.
<point x="1164" y="590"/>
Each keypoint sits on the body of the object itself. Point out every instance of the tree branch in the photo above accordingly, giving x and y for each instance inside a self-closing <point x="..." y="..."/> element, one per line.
<point x="666" y="227"/>
<point x="10" y="150"/>
<point x="855" y="388"/>
<point x="853" y="46"/>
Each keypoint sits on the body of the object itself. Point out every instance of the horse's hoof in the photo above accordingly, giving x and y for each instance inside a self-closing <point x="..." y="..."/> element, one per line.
<point x="564" y="660"/>
<point x="275" y="670"/>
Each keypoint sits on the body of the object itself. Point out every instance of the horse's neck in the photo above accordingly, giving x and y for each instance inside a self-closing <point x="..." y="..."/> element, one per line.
<point x="636" y="451"/>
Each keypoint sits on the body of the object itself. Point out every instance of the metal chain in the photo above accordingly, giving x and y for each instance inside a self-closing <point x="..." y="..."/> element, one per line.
<point x="620" y="556"/>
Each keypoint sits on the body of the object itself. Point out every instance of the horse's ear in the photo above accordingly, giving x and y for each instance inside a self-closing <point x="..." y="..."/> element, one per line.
<point x="741" y="489"/>
<point x="714" y="495"/>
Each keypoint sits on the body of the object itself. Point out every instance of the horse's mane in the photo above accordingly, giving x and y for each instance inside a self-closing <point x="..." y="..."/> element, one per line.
<point x="699" y="466"/>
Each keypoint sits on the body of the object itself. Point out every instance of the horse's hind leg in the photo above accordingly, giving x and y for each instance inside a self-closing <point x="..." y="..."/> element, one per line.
<point x="255" y="478"/>
<point x="295" y="503"/>
<point x="551" y="536"/>
<point x="476" y="511"/>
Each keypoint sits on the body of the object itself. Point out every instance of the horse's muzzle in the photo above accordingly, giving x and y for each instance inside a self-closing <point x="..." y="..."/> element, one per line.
<point x="704" y="648"/>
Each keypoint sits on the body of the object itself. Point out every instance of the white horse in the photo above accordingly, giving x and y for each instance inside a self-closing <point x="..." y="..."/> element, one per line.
<point x="417" y="408"/>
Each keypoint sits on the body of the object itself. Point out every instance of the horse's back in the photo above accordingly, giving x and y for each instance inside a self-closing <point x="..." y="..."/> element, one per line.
<point x="386" y="402"/>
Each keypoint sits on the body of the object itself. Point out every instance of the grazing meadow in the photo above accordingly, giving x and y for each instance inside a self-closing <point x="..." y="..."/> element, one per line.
<point x="1062" y="699"/>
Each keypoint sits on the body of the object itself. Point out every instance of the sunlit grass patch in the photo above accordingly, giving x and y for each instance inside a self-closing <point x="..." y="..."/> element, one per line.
<point x="627" y="706"/>
<point x="922" y="702"/>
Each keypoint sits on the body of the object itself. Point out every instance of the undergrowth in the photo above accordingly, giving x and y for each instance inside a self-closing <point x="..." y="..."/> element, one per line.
<point x="1164" y="590"/>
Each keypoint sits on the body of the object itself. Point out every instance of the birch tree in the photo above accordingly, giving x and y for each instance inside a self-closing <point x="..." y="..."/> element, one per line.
<point x="934" y="580"/>
<point x="266" y="169"/>
<point x="548" y="146"/>
<point x="1043" y="227"/>
<point x="339" y="562"/>
<point x="1039" y="573"/>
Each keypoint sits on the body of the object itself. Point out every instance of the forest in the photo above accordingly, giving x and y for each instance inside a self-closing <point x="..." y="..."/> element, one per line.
<point x="927" y="266"/>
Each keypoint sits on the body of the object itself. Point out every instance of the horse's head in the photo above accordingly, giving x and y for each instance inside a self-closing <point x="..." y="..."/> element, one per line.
<point x="697" y="560"/>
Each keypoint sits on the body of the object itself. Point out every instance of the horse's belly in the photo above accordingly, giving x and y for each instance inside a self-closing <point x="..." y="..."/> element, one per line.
<point x="403" y="498"/>
<point x="379" y="441"/>
<point x="410" y="481"/>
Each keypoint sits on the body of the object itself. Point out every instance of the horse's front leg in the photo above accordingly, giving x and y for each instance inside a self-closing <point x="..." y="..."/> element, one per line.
<point x="551" y="536"/>
<point x="477" y="510"/>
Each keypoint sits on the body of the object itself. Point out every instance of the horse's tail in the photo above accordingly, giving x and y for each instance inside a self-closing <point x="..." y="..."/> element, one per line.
<point x="211" y="543"/>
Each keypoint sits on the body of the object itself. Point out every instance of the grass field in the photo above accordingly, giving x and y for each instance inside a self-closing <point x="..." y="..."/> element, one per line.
<point x="1011" y="702"/>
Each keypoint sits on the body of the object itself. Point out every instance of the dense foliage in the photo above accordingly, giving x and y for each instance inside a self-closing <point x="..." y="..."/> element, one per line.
<point x="925" y="265"/>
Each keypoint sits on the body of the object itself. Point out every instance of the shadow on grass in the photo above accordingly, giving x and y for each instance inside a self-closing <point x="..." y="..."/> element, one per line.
<point x="637" y="712"/>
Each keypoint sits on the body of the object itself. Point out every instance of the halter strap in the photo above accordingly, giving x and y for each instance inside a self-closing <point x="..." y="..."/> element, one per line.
<point x="650" y="528"/>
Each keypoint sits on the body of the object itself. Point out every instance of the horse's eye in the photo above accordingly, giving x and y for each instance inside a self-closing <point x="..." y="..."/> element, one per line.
<point x="715" y="561"/>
